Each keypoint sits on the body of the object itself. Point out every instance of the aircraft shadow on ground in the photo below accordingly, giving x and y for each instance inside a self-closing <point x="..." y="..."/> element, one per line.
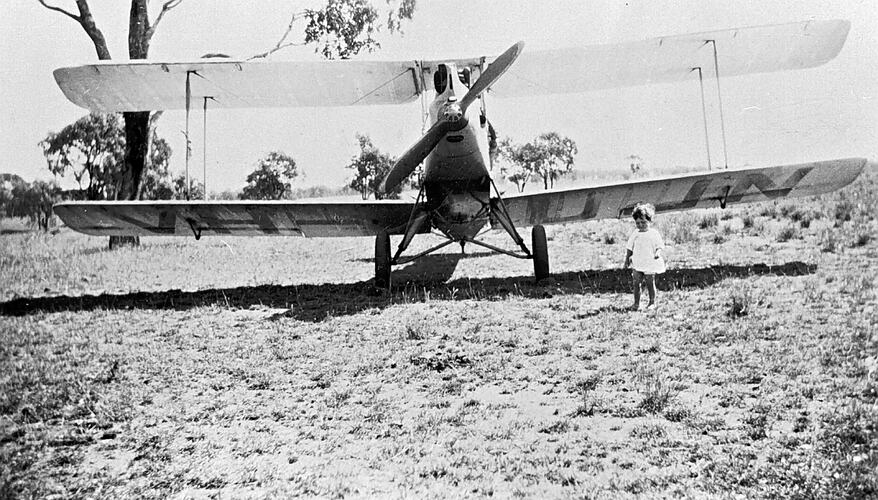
<point x="318" y="302"/>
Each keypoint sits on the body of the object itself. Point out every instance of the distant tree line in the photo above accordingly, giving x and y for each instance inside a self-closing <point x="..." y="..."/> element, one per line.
<point x="31" y="200"/>
<point x="546" y="158"/>
<point x="91" y="151"/>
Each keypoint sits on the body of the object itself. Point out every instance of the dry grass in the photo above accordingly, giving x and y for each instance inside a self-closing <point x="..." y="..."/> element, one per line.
<point x="265" y="367"/>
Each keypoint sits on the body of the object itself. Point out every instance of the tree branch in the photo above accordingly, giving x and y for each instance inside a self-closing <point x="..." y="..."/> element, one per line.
<point x="170" y="4"/>
<point x="59" y="9"/>
<point x="86" y="20"/>
<point x="280" y="43"/>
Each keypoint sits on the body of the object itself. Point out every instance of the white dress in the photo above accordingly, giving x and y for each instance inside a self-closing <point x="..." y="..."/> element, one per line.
<point x="643" y="246"/>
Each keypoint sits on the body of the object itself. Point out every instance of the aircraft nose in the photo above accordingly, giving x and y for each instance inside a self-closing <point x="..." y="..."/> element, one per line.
<point x="452" y="112"/>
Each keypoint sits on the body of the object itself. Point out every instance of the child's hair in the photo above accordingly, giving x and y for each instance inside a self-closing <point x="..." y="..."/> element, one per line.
<point x="645" y="210"/>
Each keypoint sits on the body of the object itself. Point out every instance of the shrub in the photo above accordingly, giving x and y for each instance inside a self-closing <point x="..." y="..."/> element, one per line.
<point x="708" y="221"/>
<point x="862" y="239"/>
<point x="756" y="423"/>
<point x="844" y="211"/>
<point x="788" y="211"/>
<point x="680" y="229"/>
<point x="740" y="302"/>
<point x="584" y="387"/>
<point x="769" y="211"/>
<point x="656" y="390"/>
<point x="787" y="233"/>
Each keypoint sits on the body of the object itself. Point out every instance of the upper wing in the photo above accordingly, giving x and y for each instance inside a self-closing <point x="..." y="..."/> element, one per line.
<point x="244" y="218"/>
<point x="683" y="193"/>
<point x="758" y="49"/>
<point x="143" y="86"/>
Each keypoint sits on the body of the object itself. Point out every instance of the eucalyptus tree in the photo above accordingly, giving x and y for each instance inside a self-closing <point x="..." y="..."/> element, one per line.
<point x="339" y="29"/>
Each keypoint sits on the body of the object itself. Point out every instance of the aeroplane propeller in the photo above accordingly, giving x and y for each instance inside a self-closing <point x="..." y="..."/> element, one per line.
<point x="452" y="118"/>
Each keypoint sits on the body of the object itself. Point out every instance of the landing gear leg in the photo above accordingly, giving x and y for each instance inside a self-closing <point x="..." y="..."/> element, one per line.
<point x="540" y="253"/>
<point x="382" y="260"/>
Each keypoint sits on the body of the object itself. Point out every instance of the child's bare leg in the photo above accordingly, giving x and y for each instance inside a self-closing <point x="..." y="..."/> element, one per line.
<point x="637" y="281"/>
<point x="650" y="287"/>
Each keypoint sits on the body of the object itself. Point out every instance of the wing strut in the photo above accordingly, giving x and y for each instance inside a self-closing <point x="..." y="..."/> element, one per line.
<point x="204" y="154"/>
<point x="188" y="143"/>
<point x="719" y="95"/>
<point x="704" y="114"/>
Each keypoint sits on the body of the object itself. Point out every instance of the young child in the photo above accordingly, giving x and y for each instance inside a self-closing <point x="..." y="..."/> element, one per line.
<point x="644" y="253"/>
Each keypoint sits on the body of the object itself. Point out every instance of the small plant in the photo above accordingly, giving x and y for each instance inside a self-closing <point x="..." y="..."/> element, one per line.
<point x="649" y="432"/>
<point x="609" y="238"/>
<point x="787" y="211"/>
<point x="418" y="329"/>
<point x="756" y="423"/>
<point x="805" y="220"/>
<point x="557" y="427"/>
<point x="844" y="212"/>
<point x="656" y="390"/>
<point x="677" y="413"/>
<point x="585" y="387"/>
<point x="718" y="239"/>
<point x="680" y="228"/>
<point x="862" y="239"/>
<point x="740" y="302"/>
<point x="708" y="221"/>
<point x="769" y="211"/>
<point x="747" y="220"/>
<point x="787" y="233"/>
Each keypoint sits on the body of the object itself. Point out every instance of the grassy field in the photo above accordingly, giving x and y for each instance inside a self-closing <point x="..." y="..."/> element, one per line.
<point x="265" y="367"/>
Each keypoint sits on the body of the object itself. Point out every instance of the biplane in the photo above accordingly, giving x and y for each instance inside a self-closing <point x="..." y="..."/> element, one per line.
<point x="458" y="198"/>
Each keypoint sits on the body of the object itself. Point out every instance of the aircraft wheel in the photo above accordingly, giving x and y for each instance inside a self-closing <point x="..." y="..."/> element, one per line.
<point x="540" y="252"/>
<point x="382" y="260"/>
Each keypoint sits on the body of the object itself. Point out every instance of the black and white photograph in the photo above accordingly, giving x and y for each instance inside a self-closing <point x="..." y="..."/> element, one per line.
<point x="439" y="249"/>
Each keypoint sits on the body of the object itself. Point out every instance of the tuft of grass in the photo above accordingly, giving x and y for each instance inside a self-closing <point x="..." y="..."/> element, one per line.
<point x="418" y="329"/>
<point x="708" y="221"/>
<point x="740" y="302"/>
<point x="677" y="413"/>
<point x="769" y="211"/>
<point x="649" y="432"/>
<point x="844" y="211"/>
<point x="585" y="387"/>
<point x="788" y="233"/>
<point x="861" y="239"/>
<point x="655" y="389"/>
<point x="557" y="427"/>
<point x="680" y="228"/>
<point x="756" y="422"/>
<point x="609" y="238"/>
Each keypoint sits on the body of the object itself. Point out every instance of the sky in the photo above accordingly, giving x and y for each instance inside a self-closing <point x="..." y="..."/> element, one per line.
<point x="770" y="119"/>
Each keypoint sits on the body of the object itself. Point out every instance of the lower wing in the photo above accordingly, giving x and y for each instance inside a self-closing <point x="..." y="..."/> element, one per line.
<point x="684" y="193"/>
<point x="239" y="218"/>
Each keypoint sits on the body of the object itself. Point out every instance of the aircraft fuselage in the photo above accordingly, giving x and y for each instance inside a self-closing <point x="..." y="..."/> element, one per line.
<point x="456" y="178"/>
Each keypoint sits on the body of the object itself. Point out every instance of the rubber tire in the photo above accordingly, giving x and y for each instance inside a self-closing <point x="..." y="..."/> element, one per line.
<point x="540" y="252"/>
<point x="382" y="260"/>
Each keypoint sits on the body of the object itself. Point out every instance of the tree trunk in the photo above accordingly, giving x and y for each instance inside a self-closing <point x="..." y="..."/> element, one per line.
<point x="136" y="155"/>
<point x="137" y="124"/>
